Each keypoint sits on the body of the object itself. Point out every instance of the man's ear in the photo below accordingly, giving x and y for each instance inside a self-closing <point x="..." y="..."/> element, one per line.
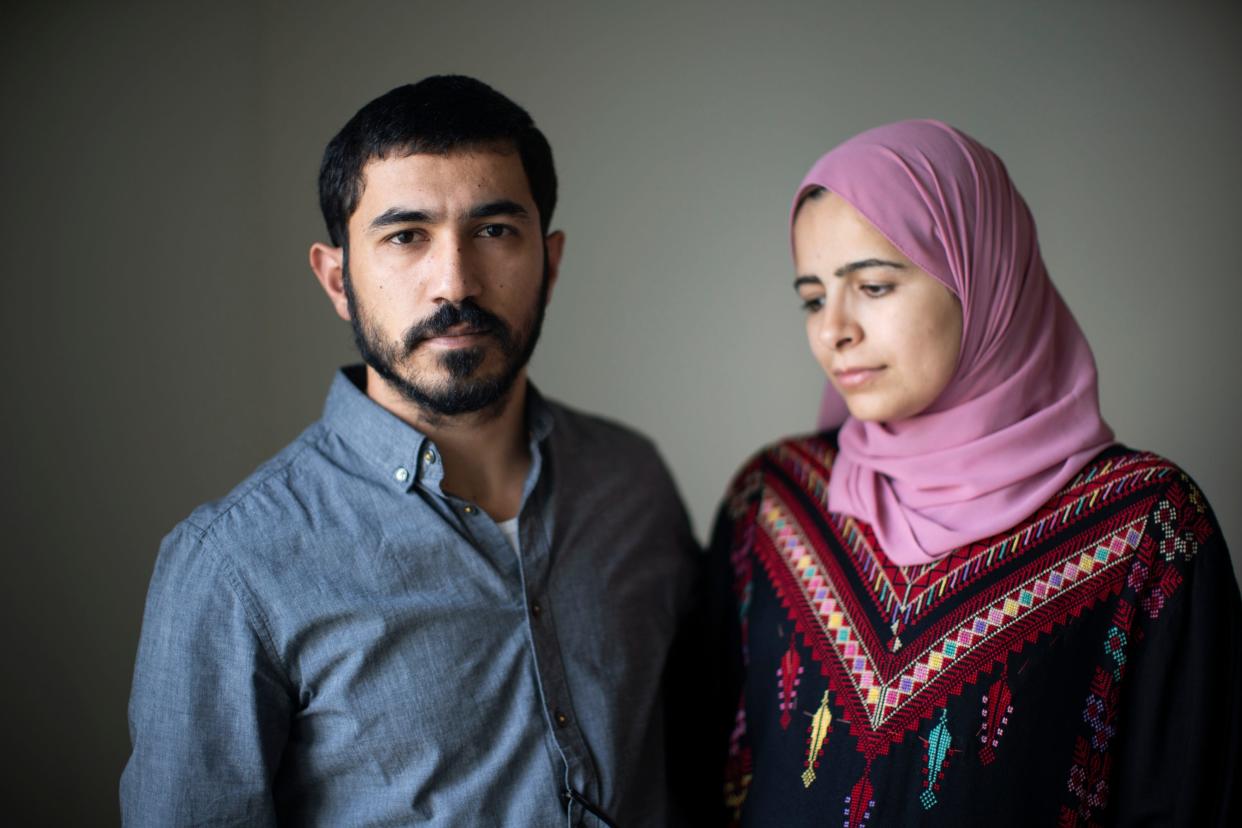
<point x="329" y="266"/>
<point x="554" y="244"/>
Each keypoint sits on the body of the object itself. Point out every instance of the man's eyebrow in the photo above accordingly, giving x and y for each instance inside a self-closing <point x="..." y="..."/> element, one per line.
<point x="845" y="270"/>
<point x="807" y="280"/>
<point x="500" y="207"/>
<point x="399" y="215"/>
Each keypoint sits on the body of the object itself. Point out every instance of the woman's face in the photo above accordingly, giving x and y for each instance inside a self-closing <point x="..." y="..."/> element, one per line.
<point x="885" y="332"/>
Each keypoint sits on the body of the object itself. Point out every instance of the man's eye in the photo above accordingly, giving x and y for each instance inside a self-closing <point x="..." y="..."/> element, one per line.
<point x="876" y="290"/>
<point x="813" y="304"/>
<point x="495" y="231"/>
<point x="404" y="237"/>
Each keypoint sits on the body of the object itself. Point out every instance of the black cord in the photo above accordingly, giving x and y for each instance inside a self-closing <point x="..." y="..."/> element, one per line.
<point x="573" y="795"/>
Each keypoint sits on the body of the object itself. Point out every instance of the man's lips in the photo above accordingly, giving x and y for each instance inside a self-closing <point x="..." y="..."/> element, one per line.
<point x="855" y="377"/>
<point x="457" y="335"/>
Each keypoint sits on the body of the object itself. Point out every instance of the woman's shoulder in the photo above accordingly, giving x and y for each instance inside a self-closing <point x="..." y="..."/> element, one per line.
<point x="1147" y="492"/>
<point x="807" y="458"/>
<point x="1120" y="470"/>
<point x="819" y="448"/>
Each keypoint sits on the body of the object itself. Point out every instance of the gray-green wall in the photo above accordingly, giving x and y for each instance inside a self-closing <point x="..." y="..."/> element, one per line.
<point x="163" y="333"/>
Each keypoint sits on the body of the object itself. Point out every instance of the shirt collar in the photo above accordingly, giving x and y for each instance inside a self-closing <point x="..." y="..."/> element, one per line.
<point x="400" y="453"/>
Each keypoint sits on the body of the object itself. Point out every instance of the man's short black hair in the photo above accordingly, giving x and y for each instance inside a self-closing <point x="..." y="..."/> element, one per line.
<point x="438" y="115"/>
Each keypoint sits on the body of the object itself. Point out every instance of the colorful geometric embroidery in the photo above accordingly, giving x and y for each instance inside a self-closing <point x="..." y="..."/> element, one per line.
<point x="1179" y="526"/>
<point x="1092" y="764"/>
<point x="1182" y="522"/>
<point x="788" y="676"/>
<point x="896" y="643"/>
<point x="1166" y="581"/>
<point x="879" y="685"/>
<point x="901" y="593"/>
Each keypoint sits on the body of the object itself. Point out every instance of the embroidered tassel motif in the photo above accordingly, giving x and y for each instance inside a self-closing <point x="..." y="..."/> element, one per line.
<point x="938" y="742"/>
<point x="738" y="767"/>
<point x="788" y="677"/>
<point x="996" y="710"/>
<point x="815" y="740"/>
<point x="860" y="801"/>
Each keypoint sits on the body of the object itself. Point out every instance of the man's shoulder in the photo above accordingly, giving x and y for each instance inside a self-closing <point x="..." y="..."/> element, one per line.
<point x="595" y="438"/>
<point x="269" y="496"/>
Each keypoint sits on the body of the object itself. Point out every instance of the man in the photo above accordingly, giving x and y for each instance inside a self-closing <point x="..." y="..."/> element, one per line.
<point x="449" y="601"/>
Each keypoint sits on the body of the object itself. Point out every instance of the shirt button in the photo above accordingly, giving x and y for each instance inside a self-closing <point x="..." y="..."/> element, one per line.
<point x="535" y="609"/>
<point x="470" y="510"/>
<point x="429" y="456"/>
<point x="401" y="475"/>
<point x="561" y="719"/>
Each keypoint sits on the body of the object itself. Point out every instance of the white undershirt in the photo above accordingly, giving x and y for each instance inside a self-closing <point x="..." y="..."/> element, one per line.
<point x="510" y="529"/>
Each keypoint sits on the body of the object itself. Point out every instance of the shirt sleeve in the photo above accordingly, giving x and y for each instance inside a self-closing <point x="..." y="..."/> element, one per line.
<point x="209" y="710"/>
<point x="1180" y="728"/>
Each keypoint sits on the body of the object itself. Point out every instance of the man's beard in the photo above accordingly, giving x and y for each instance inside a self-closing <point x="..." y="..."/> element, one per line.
<point x="462" y="392"/>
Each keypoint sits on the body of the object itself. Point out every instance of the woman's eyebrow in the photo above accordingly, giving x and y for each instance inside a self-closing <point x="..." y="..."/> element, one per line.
<point x="845" y="270"/>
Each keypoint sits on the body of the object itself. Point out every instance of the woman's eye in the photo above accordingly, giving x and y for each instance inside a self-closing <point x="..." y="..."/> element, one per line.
<point x="875" y="291"/>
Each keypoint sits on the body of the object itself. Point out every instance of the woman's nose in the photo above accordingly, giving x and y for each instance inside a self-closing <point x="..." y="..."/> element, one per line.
<point x="838" y="327"/>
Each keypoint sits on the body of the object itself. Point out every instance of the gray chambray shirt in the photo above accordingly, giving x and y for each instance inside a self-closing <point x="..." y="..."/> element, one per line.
<point x="340" y="643"/>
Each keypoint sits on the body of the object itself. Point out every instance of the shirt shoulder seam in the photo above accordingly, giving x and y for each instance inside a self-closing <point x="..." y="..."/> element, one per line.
<point x="254" y="613"/>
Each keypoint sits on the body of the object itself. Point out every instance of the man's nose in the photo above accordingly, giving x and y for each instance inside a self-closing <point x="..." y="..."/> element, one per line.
<point x="452" y="272"/>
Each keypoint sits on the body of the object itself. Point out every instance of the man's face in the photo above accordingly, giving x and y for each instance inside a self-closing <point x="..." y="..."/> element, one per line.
<point x="446" y="277"/>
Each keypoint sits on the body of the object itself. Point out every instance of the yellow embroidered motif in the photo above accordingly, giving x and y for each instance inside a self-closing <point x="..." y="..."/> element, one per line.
<point x="819" y="732"/>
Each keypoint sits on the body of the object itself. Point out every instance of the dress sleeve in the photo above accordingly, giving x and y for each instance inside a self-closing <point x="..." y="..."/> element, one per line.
<point x="727" y="587"/>
<point x="209" y="710"/>
<point x="1180" y="721"/>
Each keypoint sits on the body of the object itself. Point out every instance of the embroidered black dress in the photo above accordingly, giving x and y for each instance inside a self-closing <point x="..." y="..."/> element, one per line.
<point x="1080" y="669"/>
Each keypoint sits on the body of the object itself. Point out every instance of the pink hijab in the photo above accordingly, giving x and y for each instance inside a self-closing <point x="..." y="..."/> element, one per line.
<point x="1021" y="415"/>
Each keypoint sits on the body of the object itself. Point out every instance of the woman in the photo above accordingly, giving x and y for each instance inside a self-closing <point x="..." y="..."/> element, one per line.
<point x="968" y="605"/>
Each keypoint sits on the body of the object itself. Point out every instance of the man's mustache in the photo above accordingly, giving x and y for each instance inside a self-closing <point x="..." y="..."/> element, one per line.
<point x="477" y="320"/>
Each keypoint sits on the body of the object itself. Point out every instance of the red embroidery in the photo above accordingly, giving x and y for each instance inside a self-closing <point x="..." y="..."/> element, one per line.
<point x="788" y="676"/>
<point x="860" y="801"/>
<point x="895" y="643"/>
<point x="996" y="710"/>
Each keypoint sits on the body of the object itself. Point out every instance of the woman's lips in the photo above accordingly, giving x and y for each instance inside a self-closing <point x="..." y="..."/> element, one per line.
<point x="852" y="378"/>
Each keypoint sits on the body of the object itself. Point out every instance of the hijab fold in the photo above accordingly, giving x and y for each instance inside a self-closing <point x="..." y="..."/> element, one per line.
<point x="1020" y="416"/>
